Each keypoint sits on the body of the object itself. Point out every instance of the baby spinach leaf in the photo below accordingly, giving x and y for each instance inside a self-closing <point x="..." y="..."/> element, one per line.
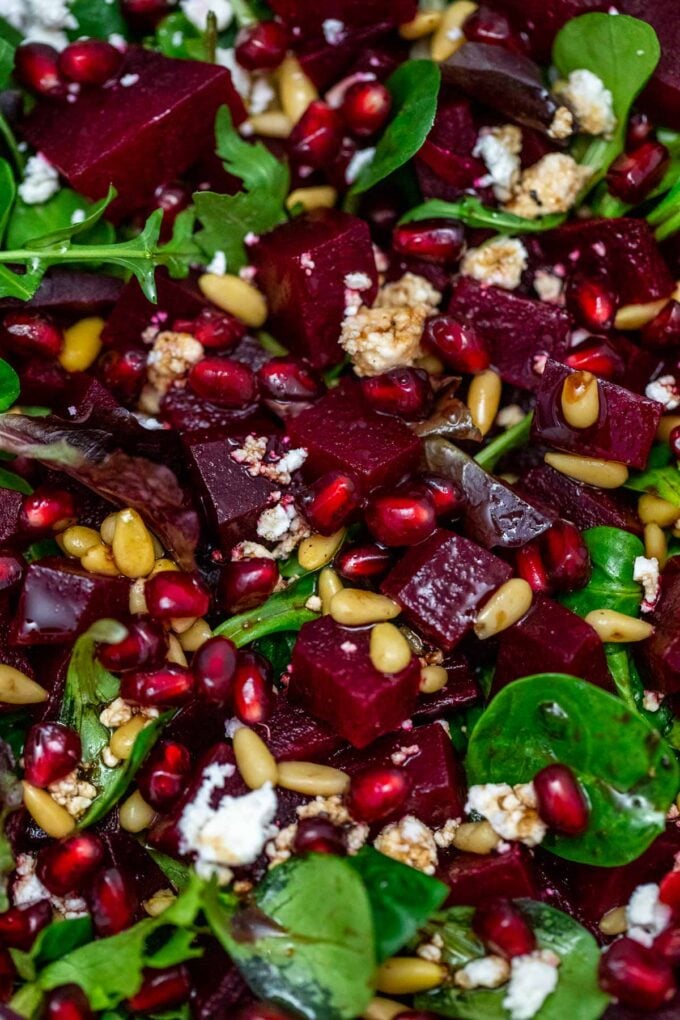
<point x="286" y="610"/>
<point x="97" y="19"/>
<point x="611" y="585"/>
<point x="401" y="898"/>
<point x="8" y="191"/>
<point x="414" y="87"/>
<point x="178" y="873"/>
<point x="247" y="12"/>
<point x="628" y="772"/>
<point x="173" y="33"/>
<point x="631" y="689"/>
<point x="13" y="729"/>
<point x="9" y="386"/>
<point x="662" y="475"/>
<point x="278" y="648"/>
<point x="307" y="944"/>
<point x="470" y="211"/>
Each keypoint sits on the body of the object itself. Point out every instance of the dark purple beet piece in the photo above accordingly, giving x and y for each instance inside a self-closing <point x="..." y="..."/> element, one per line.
<point x="10" y="508"/>
<point x="302" y="267"/>
<point x="146" y="133"/>
<point x="132" y="313"/>
<point x="72" y="292"/>
<point x="461" y="691"/>
<point x="185" y="411"/>
<point x="543" y="20"/>
<point x="445" y="165"/>
<point x="305" y="19"/>
<point x="519" y="331"/>
<point x="624" y="430"/>
<point x="127" y="853"/>
<point x="326" y="62"/>
<point x="442" y="582"/>
<point x="59" y="600"/>
<point x="551" y="639"/>
<point x="660" y="654"/>
<point x="341" y="432"/>
<point x="474" y="878"/>
<point x="662" y="95"/>
<point x="291" y="734"/>
<point x="217" y="985"/>
<point x="583" y="505"/>
<point x="334" y="679"/>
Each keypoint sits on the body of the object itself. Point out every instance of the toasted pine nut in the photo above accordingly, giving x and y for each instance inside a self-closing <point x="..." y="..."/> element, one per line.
<point x="476" y="838"/>
<point x="107" y="528"/>
<point x="654" y="510"/>
<point x="318" y="550"/>
<point x="163" y="564"/>
<point x="76" y="540"/>
<point x="383" y="1009"/>
<point x="137" y="598"/>
<point x="356" y="607"/>
<point x="406" y="975"/>
<point x="159" y="902"/>
<point x="82" y="344"/>
<point x="667" y="422"/>
<point x="328" y="586"/>
<point x="45" y="812"/>
<point x="296" y="91"/>
<point x="181" y="624"/>
<point x="18" y="689"/>
<point x="606" y="474"/>
<point x="613" y="626"/>
<point x="656" y="546"/>
<point x="614" y="922"/>
<point x="389" y="650"/>
<point x="484" y="398"/>
<point x="433" y="679"/>
<point x="580" y="400"/>
<point x="175" y="651"/>
<point x="123" y="739"/>
<point x="431" y="364"/>
<point x="507" y="605"/>
<point x="132" y="545"/>
<point x="236" y="296"/>
<point x="449" y="35"/>
<point x="254" y="760"/>
<point x="320" y="197"/>
<point x="424" y="23"/>
<point x="99" y="560"/>
<point x="271" y="124"/>
<point x="197" y="635"/>
<point x="311" y="779"/>
<point x="135" y="814"/>
<point x="637" y="316"/>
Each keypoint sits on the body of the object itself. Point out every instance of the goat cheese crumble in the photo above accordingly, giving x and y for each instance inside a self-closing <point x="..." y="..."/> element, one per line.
<point x="552" y="185"/>
<point x="487" y="972"/>
<point x="591" y="101"/>
<point x="510" y="810"/>
<point x="665" y="391"/>
<point x="41" y="181"/>
<point x="196" y="11"/>
<point x="499" y="262"/>
<point x="646" y="915"/>
<point x="42" y="21"/>
<point x="646" y="573"/>
<point x="333" y="31"/>
<point x="532" y="979"/>
<point x="499" y="148"/>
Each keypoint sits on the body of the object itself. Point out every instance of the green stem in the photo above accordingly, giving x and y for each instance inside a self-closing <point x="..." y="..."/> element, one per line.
<point x="511" y="439"/>
<point x="12" y="147"/>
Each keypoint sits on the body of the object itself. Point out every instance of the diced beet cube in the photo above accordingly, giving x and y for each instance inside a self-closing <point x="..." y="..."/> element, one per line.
<point x="291" y="734"/>
<point x="218" y="990"/>
<point x="71" y="292"/>
<point x="544" y="20"/>
<point x="662" y="95"/>
<point x="426" y="755"/>
<point x="10" y="508"/>
<point x="624" y="431"/>
<point x="325" y="62"/>
<point x="520" y="332"/>
<point x="59" y="600"/>
<point x="138" y="133"/>
<point x="132" y="313"/>
<point x="475" y="878"/>
<point x="339" y="431"/>
<point x="305" y="19"/>
<point x="441" y="583"/>
<point x="584" y="506"/>
<point x="334" y="679"/>
<point x="461" y="691"/>
<point x="551" y="639"/>
<point x="444" y="164"/>
<point x="185" y="411"/>
<point x="301" y="267"/>
<point x="660" y="654"/>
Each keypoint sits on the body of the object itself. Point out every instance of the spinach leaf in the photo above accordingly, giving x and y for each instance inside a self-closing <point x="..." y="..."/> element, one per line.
<point x="278" y="649"/>
<point x="13" y="729"/>
<point x="9" y="39"/>
<point x="10" y="799"/>
<point x="414" y="87"/>
<point x="173" y="33"/>
<point x="402" y="898"/>
<point x="49" y="219"/>
<point x="97" y="19"/>
<point x="307" y="945"/>
<point x="611" y="585"/>
<point x="514" y="437"/>
<point x="8" y="192"/>
<point x="286" y="610"/>
<point x="628" y="772"/>
<point x="577" y="995"/>
<point x="9" y="388"/>
<point x="470" y="211"/>
<point x="662" y="475"/>
<point x="631" y="689"/>
<point x="246" y="12"/>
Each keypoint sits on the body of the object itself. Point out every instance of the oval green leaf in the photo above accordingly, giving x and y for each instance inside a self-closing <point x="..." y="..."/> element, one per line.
<point x="611" y="585"/>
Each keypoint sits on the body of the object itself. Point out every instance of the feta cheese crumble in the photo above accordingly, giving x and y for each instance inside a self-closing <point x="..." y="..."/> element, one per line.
<point x="646" y="915"/>
<point x="499" y="148"/>
<point x="41" y="181"/>
<point x="487" y="972"/>
<point x="591" y="101"/>
<point x="360" y="160"/>
<point x="646" y="573"/>
<point x="532" y="979"/>
<point x="170" y="359"/>
<point x="42" y="21"/>
<point x="411" y="842"/>
<point x="27" y="889"/>
<point x="552" y="185"/>
<point x="500" y="262"/>
<point x="510" y="810"/>
<point x="665" y="391"/>
<point x="217" y="264"/>
<point x="333" y="31"/>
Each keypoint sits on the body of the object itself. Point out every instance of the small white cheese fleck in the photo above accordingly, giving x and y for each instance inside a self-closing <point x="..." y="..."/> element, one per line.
<point x="40" y="21"/>
<point x="359" y="160"/>
<point x="646" y="573"/>
<point x="273" y="523"/>
<point x="665" y="391"/>
<point x="41" y="181"/>
<point x="500" y="262"/>
<point x="532" y="979"/>
<point x="77" y="216"/>
<point x="499" y="148"/>
<point x="511" y="810"/>
<point x="217" y="264"/>
<point x="128" y="80"/>
<point x="333" y="31"/>
<point x="487" y="972"/>
<point x="552" y="185"/>
<point x="647" y="916"/>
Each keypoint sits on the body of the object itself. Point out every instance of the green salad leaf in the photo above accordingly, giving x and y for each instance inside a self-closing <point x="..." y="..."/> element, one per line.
<point x="627" y="771"/>
<point x="9" y="391"/>
<point x="661" y="476"/>
<point x="11" y="797"/>
<point x="611" y="585"/>
<point x="53" y="220"/>
<point x="96" y="19"/>
<point x="473" y="213"/>
<point x="285" y="611"/>
<point x="8" y="192"/>
<point x="56" y="940"/>
<point x="631" y="689"/>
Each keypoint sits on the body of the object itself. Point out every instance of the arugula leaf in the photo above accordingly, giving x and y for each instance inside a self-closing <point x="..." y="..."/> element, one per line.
<point x="56" y="940"/>
<point x="307" y="944"/>
<point x="662" y="475"/>
<point x="414" y="87"/>
<point x="470" y="211"/>
<point x="10" y="799"/>
<point x="627" y="771"/>
<point x="611" y="585"/>
<point x="286" y="610"/>
<point x="9" y="385"/>
<point x="514" y="437"/>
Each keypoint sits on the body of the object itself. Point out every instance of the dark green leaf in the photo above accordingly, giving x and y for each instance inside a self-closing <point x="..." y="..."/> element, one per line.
<point x="10" y="799"/>
<point x="470" y="211"/>
<point x="246" y="12"/>
<point x="627" y="771"/>
<point x="631" y="689"/>
<point x="284" y="611"/>
<point x="661" y="477"/>
<point x="13" y="729"/>
<point x="9" y="385"/>
<point x="277" y="648"/>
<point x="178" y="873"/>
<point x="10" y="480"/>
<point x="53" y="219"/>
<point x="21" y="285"/>
<point x="8" y="192"/>
<point x="39" y="550"/>
<point x="611" y="585"/>
<point x="513" y="438"/>
<point x="9" y="34"/>
<point x="98" y="19"/>
<point x="53" y="942"/>
<point x="173" y="34"/>
<point x="6" y="61"/>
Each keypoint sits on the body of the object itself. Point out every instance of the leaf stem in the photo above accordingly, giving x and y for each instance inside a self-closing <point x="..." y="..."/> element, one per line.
<point x="511" y="439"/>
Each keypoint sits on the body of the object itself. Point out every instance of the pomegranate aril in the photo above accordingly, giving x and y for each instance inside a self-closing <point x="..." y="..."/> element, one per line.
<point x="502" y="929"/>
<point x="245" y="584"/>
<point x="261" y="47"/>
<point x="664" y="330"/>
<point x="566" y="557"/>
<point x="113" y="902"/>
<point x="315" y="139"/>
<point x="403" y="391"/>
<point x="438" y="241"/>
<point x="530" y="566"/>
<point x="288" y="379"/>
<point x="214" y="330"/>
<point x="89" y="61"/>
<point x="640" y="129"/>
<point x="12" y="568"/>
<point x="377" y="792"/>
<point x="20" y="926"/>
<point x="168" y="685"/>
<point x="319" y="836"/>
<point x="669" y="891"/>
<point x="447" y="496"/>
<point x="561" y="802"/>
<point x="667" y="945"/>
<point x="400" y="519"/>
<point x="366" y="107"/>
<point x="674" y="441"/>
<point x="48" y="510"/>
<point x="173" y="594"/>
<point x="67" y="865"/>
<point x="36" y="66"/>
<point x="632" y="175"/>
<point x="123" y="372"/>
<point x="253" y="699"/>
<point x="164" y="775"/>
<point x="161" y="989"/>
<point x="68" y="1002"/>
<point x="598" y="357"/>
<point x="636" y="976"/>
<point x="330" y="501"/>
<point x="460" y="347"/>
<point x="363" y="562"/>
<point x="145" y="645"/>
<point x="591" y="301"/>
<point x="223" y="382"/>
<point x="489" y="26"/>
<point x="31" y="334"/>
<point x="214" y="667"/>
<point x="51" y="751"/>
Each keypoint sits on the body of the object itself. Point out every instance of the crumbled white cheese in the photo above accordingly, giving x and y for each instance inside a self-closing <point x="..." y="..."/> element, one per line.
<point x="647" y="916"/>
<point x="120" y="711"/>
<point x="651" y="701"/>
<point x="196" y="11"/>
<point x="281" y="523"/>
<point x="247" y="550"/>
<point x="358" y="281"/>
<point x="532" y="979"/>
<point x="487" y="972"/>
<point x="27" y="889"/>
<point x="42" y="21"/>
<point x="77" y="216"/>
<point x="411" y="842"/>
<point x="256" y="90"/>
<point x="118" y="41"/>
<point x="500" y="262"/>
<point x="511" y="414"/>
<point x="410" y="291"/>
<point x="591" y="101"/>
<point x="665" y="391"/>
<point x="41" y="181"/>
<point x="646" y="573"/>
<point x="552" y="185"/>
<point x="562" y="125"/>
<point x="360" y="160"/>
<point x="431" y="950"/>
<point x="217" y="264"/>
<point x="333" y="31"/>
<point x="548" y="286"/>
<point x="445" y="836"/>
<point x="499" y="148"/>
<point x="273" y="523"/>
<point x="128" y="80"/>
<point x="73" y="793"/>
<point x="378" y="339"/>
<point x="253" y="453"/>
<point x="170" y="359"/>
<point x="510" y="810"/>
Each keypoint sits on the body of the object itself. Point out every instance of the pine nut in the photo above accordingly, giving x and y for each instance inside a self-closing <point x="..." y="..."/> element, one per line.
<point x="236" y="296"/>
<point x="328" y="586"/>
<point x="132" y="545"/>
<point x="75" y="541"/>
<point x="197" y="635"/>
<point x="654" y="510"/>
<point x="433" y="679"/>
<point x="296" y="91"/>
<point x="318" y="550"/>
<point x="137" y="598"/>
<point x="123" y="739"/>
<point x="107" y="528"/>
<point x="18" y="689"/>
<point x="389" y="650"/>
<point x="580" y="400"/>
<point x="637" y="316"/>
<point x="484" y="398"/>
<point x="614" y="922"/>
<point x="449" y="35"/>
<point x="383" y="1009"/>
<point x="476" y="838"/>
<point x="406" y="975"/>
<point x="507" y="605"/>
<point x="181" y="625"/>
<point x="159" y="902"/>
<point x="175" y="651"/>
<point x="99" y="560"/>
<point x="45" y="812"/>
<point x="424" y="23"/>
<point x="667" y="422"/>
<point x="254" y="760"/>
<point x="321" y="197"/>
<point x="431" y="364"/>
<point x="135" y="814"/>
<point x="158" y="549"/>
<point x="656" y="546"/>
<point x="162" y="565"/>
<point x="82" y="344"/>
<point x="311" y="779"/>
<point x="605" y="474"/>
<point x="355" y="607"/>
<point x="613" y="626"/>
<point x="271" y="124"/>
